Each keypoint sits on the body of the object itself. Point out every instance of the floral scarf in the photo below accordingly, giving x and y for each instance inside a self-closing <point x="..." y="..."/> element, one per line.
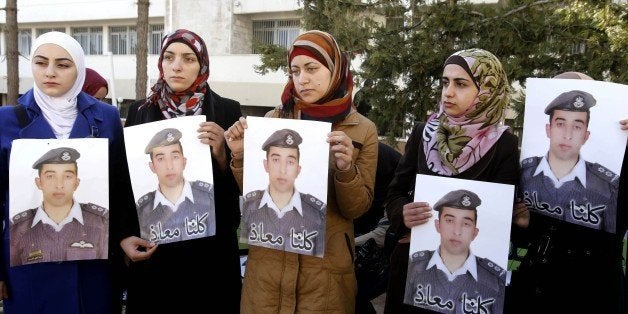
<point x="454" y="144"/>
<point x="188" y="102"/>
<point x="336" y="104"/>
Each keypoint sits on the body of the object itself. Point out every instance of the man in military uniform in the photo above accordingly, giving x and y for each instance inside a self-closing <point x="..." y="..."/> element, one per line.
<point x="178" y="209"/>
<point x="281" y="217"/>
<point x="60" y="229"/>
<point x="562" y="184"/>
<point x="452" y="279"/>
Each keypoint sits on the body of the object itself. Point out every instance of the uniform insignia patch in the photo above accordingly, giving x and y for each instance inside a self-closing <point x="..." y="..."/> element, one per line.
<point x="82" y="244"/>
<point x="35" y="255"/>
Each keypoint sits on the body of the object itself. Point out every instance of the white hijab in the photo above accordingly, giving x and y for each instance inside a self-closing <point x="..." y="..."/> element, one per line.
<point x="60" y="112"/>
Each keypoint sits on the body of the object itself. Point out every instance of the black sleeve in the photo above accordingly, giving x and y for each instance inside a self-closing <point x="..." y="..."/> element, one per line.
<point x="225" y="113"/>
<point x="123" y="213"/>
<point x="131" y="116"/>
<point x="401" y="189"/>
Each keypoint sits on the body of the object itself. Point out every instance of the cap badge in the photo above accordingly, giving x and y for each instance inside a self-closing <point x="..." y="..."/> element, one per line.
<point x="169" y="137"/>
<point x="65" y="156"/>
<point x="579" y="102"/>
<point x="289" y="140"/>
<point x="466" y="200"/>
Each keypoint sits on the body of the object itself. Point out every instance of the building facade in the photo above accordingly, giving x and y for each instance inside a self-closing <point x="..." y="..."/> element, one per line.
<point x="106" y="31"/>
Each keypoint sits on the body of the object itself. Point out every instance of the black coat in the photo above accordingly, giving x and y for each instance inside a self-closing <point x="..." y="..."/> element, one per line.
<point x="178" y="278"/>
<point x="499" y="165"/>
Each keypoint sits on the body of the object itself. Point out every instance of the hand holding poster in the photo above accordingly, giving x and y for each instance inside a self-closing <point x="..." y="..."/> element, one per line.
<point x="458" y="259"/>
<point x="285" y="184"/>
<point x="172" y="180"/>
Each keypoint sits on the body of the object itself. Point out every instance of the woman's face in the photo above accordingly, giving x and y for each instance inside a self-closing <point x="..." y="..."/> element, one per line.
<point x="54" y="70"/>
<point x="101" y="93"/>
<point x="180" y="66"/>
<point x="459" y="91"/>
<point x="311" y="78"/>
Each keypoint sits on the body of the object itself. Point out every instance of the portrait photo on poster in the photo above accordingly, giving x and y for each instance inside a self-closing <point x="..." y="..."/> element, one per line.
<point x="572" y="150"/>
<point x="59" y="200"/>
<point x="172" y="179"/>
<point x="458" y="259"/>
<point x="286" y="165"/>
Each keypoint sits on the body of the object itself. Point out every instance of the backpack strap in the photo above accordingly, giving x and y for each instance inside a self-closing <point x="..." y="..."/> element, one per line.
<point x="22" y="115"/>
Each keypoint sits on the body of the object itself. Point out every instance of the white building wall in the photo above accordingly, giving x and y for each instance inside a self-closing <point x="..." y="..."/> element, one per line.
<point x="37" y="11"/>
<point x="228" y="37"/>
<point x="212" y="20"/>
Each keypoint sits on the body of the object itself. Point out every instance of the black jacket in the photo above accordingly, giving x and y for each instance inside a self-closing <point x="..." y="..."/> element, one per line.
<point x="177" y="278"/>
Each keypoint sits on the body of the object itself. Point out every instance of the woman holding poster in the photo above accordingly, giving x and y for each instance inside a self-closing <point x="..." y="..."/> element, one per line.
<point x="319" y="88"/>
<point x="572" y="151"/>
<point x="464" y="139"/>
<point x="182" y="90"/>
<point x="55" y="108"/>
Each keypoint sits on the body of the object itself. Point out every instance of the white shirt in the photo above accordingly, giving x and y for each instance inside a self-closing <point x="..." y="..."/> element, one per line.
<point x="75" y="213"/>
<point x="468" y="266"/>
<point x="185" y="193"/>
<point x="579" y="171"/>
<point x="295" y="202"/>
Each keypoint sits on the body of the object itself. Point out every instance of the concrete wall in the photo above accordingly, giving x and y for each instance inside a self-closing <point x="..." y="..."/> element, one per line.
<point x="48" y="11"/>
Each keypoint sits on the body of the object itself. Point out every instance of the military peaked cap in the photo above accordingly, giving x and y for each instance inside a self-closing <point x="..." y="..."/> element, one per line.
<point x="575" y="100"/>
<point x="461" y="199"/>
<point x="59" y="155"/>
<point x="164" y="137"/>
<point x="283" y="138"/>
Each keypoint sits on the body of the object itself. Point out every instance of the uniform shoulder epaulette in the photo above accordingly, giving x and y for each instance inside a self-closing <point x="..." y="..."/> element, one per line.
<point x="492" y="267"/>
<point x="421" y="256"/>
<point x="257" y="194"/>
<point x="150" y="196"/>
<point x="94" y="209"/>
<point x="24" y="216"/>
<point x="530" y="162"/>
<point x="603" y="173"/>
<point x="313" y="201"/>
<point x="203" y="186"/>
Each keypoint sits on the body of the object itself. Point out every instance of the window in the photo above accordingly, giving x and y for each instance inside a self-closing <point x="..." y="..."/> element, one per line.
<point x="275" y="32"/>
<point x="90" y="39"/>
<point x="155" y="34"/>
<point x="41" y="31"/>
<point x="122" y="40"/>
<point x="24" y="42"/>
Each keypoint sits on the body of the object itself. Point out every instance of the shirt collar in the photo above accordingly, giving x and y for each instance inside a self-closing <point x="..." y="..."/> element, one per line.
<point x="75" y="213"/>
<point x="185" y="193"/>
<point x="579" y="172"/>
<point x="468" y="266"/>
<point x="295" y="203"/>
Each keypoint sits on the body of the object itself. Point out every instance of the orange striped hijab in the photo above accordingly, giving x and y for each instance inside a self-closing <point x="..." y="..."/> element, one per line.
<point x="336" y="103"/>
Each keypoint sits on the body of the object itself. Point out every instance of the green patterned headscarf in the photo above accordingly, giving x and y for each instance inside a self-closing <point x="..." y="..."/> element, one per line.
<point x="454" y="144"/>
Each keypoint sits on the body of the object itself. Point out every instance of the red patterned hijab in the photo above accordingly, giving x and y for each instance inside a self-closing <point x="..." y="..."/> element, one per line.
<point x="188" y="102"/>
<point x="336" y="103"/>
<point x="454" y="144"/>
